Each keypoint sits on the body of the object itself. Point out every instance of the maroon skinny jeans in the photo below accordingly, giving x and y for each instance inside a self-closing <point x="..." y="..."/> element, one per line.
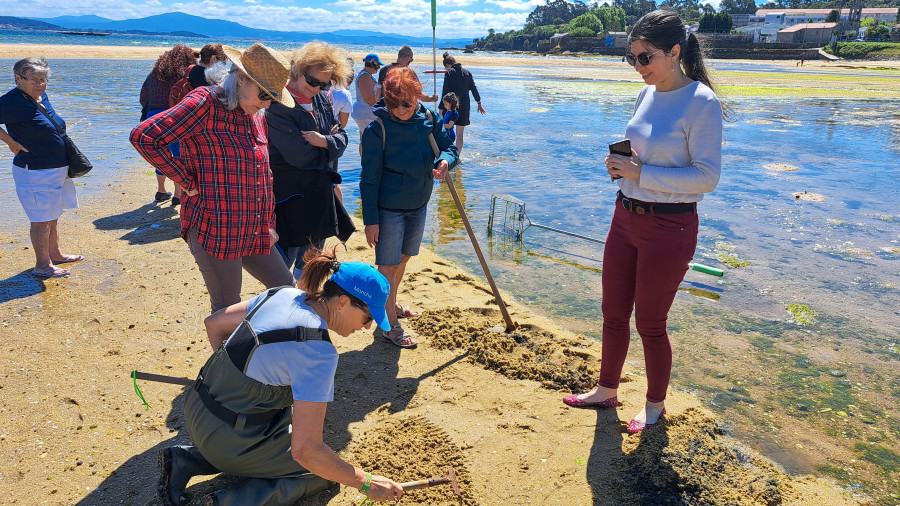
<point x="644" y="261"/>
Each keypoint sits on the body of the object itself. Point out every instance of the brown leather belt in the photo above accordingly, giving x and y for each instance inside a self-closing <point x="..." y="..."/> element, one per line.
<point x="640" y="207"/>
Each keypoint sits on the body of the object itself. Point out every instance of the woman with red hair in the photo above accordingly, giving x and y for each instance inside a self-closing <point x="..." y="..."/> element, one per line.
<point x="169" y="68"/>
<point x="398" y="167"/>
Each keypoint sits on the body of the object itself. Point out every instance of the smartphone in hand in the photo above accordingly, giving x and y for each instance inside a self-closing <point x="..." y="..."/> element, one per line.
<point x="623" y="148"/>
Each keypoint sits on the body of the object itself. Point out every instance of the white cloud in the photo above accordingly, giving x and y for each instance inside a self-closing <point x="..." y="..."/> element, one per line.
<point x="403" y="17"/>
<point x="516" y="5"/>
<point x="354" y="4"/>
<point x="455" y="3"/>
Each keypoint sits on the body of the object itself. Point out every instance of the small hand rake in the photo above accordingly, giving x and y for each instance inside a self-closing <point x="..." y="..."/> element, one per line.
<point x="441" y="480"/>
<point x="508" y="215"/>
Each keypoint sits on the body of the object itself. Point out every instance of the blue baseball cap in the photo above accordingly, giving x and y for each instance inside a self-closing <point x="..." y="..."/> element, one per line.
<point x="372" y="57"/>
<point x="368" y="285"/>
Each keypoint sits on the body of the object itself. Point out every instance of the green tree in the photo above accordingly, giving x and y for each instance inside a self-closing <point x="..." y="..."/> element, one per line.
<point x="634" y="9"/>
<point x="833" y="17"/>
<point x="864" y="22"/>
<point x="612" y="18"/>
<point x="879" y="31"/>
<point x="582" y="31"/>
<point x="588" y="21"/>
<point x="738" y="6"/>
<point x="551" y="10"/>
<point x="719" y="22"/>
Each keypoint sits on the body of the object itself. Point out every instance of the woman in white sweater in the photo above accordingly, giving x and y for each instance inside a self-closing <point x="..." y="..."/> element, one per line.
<point x="676" y="140"/>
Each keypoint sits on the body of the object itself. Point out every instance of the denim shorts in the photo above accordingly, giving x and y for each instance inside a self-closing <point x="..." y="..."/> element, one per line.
<point x="399" y="232"/>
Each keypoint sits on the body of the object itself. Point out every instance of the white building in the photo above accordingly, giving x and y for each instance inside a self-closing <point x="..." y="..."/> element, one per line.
<point x="766" y="23"/>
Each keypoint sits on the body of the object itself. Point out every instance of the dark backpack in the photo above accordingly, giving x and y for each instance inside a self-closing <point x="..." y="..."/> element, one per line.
<point x="181" y="88"/>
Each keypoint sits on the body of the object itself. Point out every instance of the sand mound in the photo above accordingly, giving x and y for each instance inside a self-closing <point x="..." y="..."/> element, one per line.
<point x="527" y="353"/>
<point x="684" y="460"/>
<point x="410" y="450"/>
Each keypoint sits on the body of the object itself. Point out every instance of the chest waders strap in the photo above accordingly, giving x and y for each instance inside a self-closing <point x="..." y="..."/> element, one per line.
<point x="239" y="348"/>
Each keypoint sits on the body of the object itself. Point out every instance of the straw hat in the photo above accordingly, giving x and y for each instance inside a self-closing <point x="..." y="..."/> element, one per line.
<point x="265" y="67"/>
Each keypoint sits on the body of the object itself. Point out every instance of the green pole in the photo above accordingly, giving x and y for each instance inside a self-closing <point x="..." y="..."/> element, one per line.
<point x="434" y="50"/>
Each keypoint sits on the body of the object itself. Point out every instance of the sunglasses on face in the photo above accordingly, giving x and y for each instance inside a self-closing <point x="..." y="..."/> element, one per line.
<point x="365" y="309"/>
<point x="315" y="83"/>
<point x="643" y="58"/>
<point x="264" y="95"/>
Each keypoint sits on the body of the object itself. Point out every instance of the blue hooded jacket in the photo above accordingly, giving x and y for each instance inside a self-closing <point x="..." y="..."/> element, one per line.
<point x="398" y="175"/>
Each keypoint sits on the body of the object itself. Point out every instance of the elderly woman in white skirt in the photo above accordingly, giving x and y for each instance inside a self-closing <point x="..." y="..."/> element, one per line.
<point x="40" y="166"/>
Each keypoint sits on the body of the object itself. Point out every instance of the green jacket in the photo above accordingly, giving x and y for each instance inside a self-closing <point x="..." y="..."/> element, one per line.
<point x="397" y="162"/>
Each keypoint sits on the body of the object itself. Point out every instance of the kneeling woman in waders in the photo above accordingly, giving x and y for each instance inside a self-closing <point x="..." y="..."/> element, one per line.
<point x="258" y="406"/>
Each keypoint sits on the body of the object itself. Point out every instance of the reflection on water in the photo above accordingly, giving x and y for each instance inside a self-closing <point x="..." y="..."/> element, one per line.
<point x="446" y="220"/>
<point x="798" y="392"/>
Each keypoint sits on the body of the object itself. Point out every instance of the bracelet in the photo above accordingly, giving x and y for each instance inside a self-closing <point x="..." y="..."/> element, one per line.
<point x="366" y="484"/>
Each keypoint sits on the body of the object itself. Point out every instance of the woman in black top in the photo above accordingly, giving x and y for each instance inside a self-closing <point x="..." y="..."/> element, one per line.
<point x="305" y="143"/>
<point x="459" y="81"/>
<point x="40" y="166"/>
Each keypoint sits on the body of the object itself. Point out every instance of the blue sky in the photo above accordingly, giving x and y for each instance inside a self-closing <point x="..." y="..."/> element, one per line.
<point x="456" y="18"/>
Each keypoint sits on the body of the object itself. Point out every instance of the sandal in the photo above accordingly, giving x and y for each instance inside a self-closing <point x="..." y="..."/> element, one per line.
<point x="53" y="272"/>
<point x="410" y="343"/>
<point x="404" y="311"/>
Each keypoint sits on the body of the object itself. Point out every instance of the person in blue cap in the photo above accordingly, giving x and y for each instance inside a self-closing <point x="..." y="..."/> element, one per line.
<point x="257" y="408"/>
<point x="367" y="91"/>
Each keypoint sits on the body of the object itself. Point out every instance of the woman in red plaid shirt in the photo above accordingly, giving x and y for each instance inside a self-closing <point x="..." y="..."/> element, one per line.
<point x="227" y="215"/>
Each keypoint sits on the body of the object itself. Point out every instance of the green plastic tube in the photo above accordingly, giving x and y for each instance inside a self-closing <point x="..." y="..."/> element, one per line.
<point x="705" y="269"/>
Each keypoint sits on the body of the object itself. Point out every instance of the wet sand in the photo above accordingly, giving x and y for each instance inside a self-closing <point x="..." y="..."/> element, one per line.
<point x="470" y="396"/>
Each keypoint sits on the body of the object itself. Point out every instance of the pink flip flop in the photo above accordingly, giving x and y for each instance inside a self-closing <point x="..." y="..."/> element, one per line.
<point x="52" y="273"/>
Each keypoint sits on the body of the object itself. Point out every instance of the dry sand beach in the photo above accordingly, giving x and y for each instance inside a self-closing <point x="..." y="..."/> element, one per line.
<point x="471" y="397"/>
<point x="482" y="401"/>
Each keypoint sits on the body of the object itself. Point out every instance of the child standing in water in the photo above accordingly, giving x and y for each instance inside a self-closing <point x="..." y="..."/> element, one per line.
<point x="451" y="115"/>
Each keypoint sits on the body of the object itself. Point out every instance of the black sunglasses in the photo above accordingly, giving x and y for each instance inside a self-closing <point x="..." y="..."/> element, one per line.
<point x="312" y="81"/>
<point x="643" y="58"/>
<point x="264" y="95"/>
<point x="362" y="306"/>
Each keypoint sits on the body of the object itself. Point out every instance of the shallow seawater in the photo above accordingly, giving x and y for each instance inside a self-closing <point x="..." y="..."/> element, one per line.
<point x="807" y="392"/>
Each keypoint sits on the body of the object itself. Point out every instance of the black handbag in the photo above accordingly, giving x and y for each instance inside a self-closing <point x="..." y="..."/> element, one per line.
<point x="79" y="165"/>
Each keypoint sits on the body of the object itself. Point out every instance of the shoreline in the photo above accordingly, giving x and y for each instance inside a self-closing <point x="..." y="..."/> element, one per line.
<point x="75" y="51"/>
<point x="81" y="435"/>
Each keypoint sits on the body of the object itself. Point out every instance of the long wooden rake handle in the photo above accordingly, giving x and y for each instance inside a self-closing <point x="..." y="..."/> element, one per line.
<point x="510" y="325"/>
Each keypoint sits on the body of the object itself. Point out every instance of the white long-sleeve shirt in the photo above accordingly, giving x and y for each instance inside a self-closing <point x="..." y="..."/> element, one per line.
<point x="678" y="137"/>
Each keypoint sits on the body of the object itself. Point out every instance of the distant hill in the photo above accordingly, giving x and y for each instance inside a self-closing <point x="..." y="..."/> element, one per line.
<point x="77" y="21"/>
<point x="179" y="21"/>
<point x="13" y="23"/>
